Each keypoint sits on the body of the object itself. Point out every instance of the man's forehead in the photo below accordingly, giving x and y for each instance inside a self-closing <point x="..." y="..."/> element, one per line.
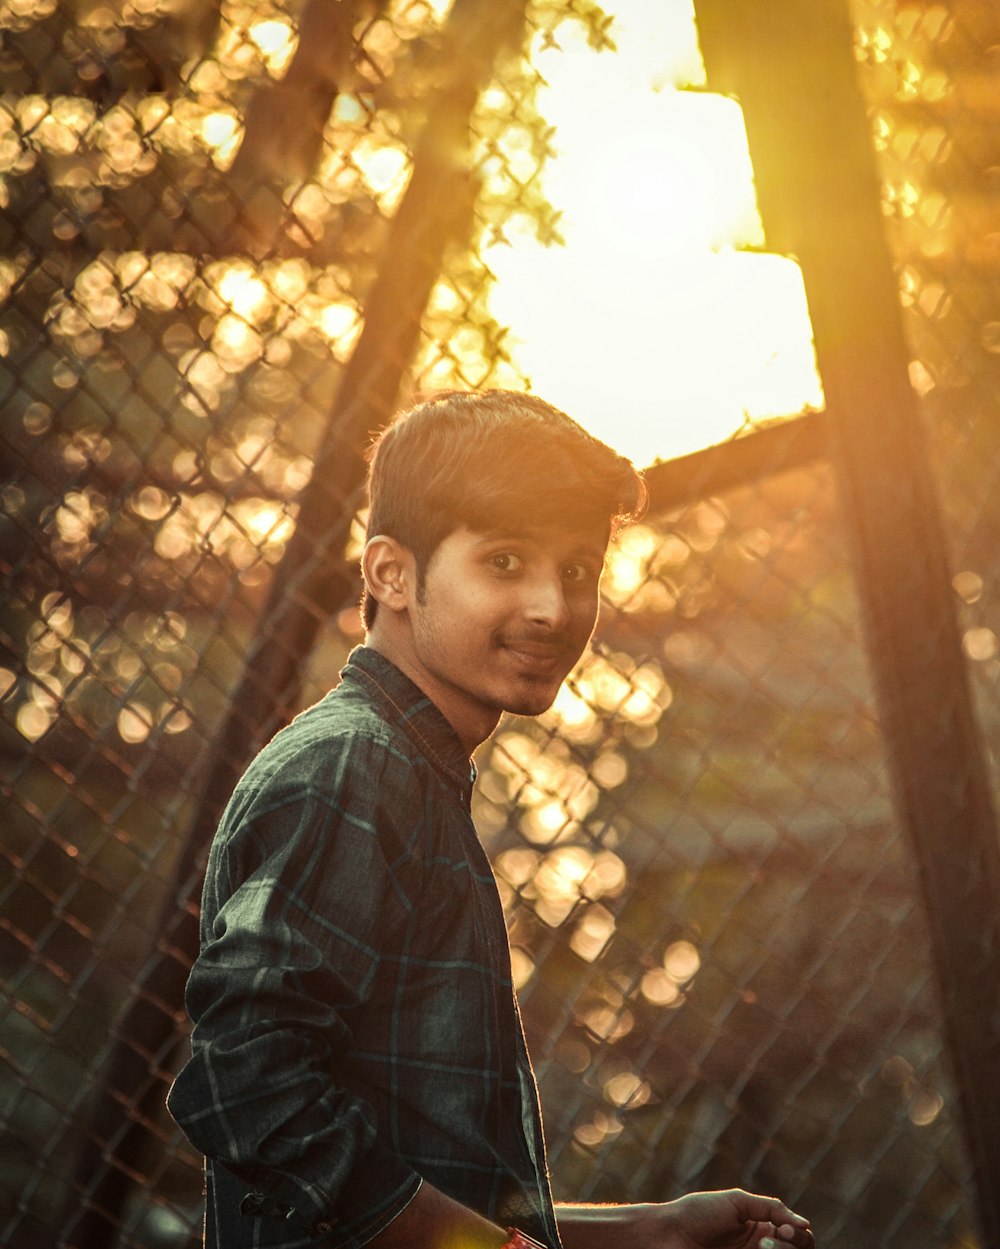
<point x="571" y="538"/>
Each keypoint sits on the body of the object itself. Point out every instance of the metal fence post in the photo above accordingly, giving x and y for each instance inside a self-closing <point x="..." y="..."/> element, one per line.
<point x="311" y="582"/>
<point x="790" y="63"/>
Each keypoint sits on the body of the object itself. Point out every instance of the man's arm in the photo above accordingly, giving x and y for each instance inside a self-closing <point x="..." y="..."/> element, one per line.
<point x="731" y="1219"/>
<point x="299" y="898"/>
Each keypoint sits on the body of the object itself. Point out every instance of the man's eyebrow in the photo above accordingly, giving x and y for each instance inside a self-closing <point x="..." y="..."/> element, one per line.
<point x="582" y="549"/>
<point x="504" y="533"/>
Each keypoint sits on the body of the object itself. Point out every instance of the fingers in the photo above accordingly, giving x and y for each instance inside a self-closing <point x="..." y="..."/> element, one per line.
<point x="790" y="1229"/>
<point x="798" y="1232"/>
<point x="799" y="1236"/>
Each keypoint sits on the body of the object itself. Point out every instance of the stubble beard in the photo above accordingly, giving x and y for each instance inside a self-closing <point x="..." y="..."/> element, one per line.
<point x="534" y="696"/>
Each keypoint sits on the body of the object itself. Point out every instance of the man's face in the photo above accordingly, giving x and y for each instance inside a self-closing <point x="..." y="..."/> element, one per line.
<point x="501" y="620"/>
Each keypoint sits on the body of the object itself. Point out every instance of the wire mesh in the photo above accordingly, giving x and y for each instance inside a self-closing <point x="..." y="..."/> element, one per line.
<point x="720" y="949"/>
<point x="932" y="96"/>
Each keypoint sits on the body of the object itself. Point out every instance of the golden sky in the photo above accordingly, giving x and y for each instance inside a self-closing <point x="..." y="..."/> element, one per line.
<point x="655" y="326"/>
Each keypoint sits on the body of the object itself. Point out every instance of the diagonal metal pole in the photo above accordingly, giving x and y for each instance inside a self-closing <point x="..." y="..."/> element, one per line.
<point x="791" y="65"/>
<point x="729" y="465"/>
<point x="309" y="585"/>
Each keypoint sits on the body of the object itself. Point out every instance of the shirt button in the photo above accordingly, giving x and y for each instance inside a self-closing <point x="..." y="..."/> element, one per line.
<point x="324" y="1227"/>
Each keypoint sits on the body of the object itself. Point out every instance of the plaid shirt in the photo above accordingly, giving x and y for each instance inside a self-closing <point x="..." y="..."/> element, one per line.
<point x="355" y="1026"/>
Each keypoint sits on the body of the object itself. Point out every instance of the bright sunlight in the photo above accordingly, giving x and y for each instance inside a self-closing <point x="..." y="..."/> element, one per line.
<point x="651" y="326"/>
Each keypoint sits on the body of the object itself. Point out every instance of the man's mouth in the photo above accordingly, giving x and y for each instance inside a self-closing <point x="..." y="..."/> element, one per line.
<point x="537" y="655"/>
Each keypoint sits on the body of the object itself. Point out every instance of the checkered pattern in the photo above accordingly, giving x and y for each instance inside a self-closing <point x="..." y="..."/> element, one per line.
<point x="355" y="1025"/>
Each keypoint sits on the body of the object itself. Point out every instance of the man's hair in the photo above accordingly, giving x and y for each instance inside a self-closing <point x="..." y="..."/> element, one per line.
<point x="490" y="460"/>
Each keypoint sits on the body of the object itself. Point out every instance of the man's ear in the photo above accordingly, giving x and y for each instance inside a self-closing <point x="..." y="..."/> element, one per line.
<point x="390" y="572"/>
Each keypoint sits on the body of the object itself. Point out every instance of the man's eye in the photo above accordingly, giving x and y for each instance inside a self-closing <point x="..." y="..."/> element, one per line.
<point x="576" y="572"/>
<point x="505" y="561"/>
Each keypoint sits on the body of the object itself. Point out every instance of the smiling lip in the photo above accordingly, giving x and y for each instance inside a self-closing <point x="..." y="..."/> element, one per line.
<point x="538" y="655"/>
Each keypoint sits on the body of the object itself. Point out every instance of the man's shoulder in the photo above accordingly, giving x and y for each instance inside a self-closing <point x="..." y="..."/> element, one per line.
<point x="339" y="759"/>
<point x="344" y="731"/>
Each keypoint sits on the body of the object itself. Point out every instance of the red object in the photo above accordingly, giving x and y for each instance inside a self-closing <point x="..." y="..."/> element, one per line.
<point x="518" y="1240"/>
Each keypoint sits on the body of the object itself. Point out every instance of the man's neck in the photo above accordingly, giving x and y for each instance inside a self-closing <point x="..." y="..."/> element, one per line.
<point x="472" y="729"/>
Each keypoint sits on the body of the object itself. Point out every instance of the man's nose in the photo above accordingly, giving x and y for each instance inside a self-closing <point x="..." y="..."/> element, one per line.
<point x="546" y="602"/>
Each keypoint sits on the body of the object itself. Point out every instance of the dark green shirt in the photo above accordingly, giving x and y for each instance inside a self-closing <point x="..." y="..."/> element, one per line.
<point x="355" y="1026"/>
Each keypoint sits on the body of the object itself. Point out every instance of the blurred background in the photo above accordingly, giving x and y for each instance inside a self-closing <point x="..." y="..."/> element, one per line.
<point x="749" y="856"/>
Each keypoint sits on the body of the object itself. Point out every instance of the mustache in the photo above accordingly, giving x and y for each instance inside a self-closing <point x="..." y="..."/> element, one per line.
<point x="542" y="642"/>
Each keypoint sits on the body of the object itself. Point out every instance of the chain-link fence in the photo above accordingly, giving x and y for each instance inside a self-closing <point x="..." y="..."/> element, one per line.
<point x="236" y="236"/>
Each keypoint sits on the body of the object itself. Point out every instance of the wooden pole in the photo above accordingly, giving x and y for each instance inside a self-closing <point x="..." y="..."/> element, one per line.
<point x="309" y="585"/>
<point x="790" y="64"/>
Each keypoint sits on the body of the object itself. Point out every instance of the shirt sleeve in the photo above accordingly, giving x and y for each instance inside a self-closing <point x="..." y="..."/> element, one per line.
<point x="301" y="893"/>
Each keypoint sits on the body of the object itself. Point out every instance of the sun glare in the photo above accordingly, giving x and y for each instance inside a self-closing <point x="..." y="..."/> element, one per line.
<point x="650" y="326"/>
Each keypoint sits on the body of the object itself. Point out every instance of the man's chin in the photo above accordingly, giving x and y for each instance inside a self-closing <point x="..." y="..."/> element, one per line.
<point x="531" y="703"/>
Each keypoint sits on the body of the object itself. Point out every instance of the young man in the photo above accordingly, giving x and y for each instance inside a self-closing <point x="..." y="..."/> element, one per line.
<point x="358" y="1071"/>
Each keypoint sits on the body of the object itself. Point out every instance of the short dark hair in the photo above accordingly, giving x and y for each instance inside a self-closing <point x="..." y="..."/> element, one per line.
<point x="488" y="459"/>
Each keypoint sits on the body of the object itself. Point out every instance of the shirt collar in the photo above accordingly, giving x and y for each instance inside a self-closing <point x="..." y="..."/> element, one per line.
<point x="406" y="705"/>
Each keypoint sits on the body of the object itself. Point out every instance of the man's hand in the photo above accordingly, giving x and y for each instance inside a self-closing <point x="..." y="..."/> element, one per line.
<point x="731" y="1219"/>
